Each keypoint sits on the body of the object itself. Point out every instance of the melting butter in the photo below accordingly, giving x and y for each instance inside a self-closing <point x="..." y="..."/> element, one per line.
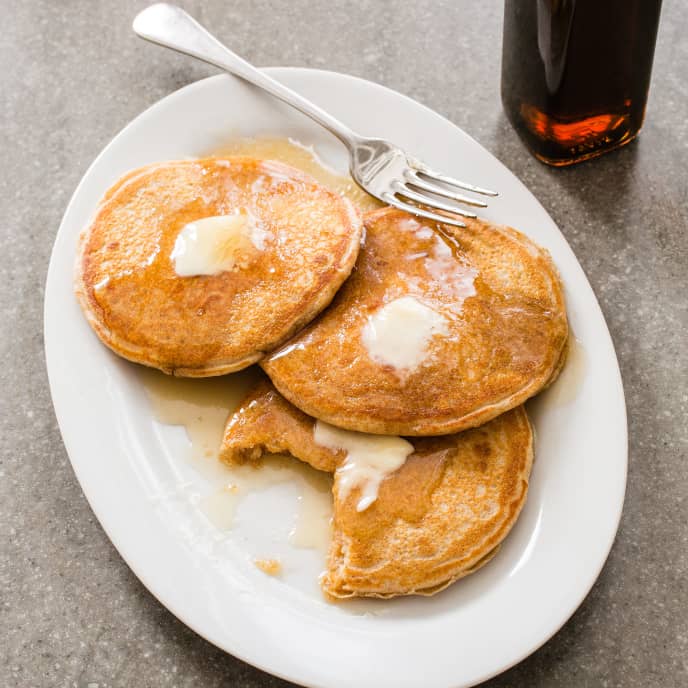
<point x="369" y="459"/>
<point x="217" y="244"/>
<point x="454" y="278"/>
<point x="446" y="271"/>
<point x="399" y="333"/>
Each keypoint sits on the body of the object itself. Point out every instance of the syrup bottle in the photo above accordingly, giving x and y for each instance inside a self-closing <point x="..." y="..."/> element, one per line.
<point x="575" y="73"/>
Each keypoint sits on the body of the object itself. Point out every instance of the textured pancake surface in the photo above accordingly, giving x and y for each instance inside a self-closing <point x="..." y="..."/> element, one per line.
<point x="439" y="517"/>
<point x="266" y="423"/>
<point x="501" y="340"/>
<point x="212" y="324"/>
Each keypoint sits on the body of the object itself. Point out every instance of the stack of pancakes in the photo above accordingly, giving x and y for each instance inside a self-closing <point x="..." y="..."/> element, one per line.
<point x="302" y="305"/>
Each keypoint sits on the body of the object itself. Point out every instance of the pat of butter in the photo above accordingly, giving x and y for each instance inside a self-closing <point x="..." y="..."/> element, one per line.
<point x="399" y="333"/>
<point x="217" y="244"/>
<point x="369" y="458"/>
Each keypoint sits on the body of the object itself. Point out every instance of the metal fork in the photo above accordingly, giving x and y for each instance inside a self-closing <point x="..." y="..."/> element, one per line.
<point x="379" y="167"/>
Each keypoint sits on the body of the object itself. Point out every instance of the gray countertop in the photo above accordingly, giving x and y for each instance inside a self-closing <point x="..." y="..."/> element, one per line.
<point x="73" y="74"/>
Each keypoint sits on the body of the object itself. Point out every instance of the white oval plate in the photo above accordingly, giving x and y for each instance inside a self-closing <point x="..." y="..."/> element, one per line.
<point x="134" y="481"/>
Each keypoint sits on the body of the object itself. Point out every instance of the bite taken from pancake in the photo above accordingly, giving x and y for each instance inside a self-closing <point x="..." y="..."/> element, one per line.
<point x="437" y="330"/>
<point x="200" y="267"/>
<point x="410" y="515"/>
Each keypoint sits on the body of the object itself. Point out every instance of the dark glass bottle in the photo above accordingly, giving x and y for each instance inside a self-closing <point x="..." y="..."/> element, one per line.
<point x="575" y="73"/>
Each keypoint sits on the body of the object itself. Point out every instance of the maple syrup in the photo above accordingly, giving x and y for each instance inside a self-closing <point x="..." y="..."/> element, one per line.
<point x="576" y="73"/>
<point x="304" y="158"/>
<point x="201" y="406"/>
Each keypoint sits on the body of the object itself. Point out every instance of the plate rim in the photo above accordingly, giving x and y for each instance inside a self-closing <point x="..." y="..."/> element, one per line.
<point x="98" y="511"/>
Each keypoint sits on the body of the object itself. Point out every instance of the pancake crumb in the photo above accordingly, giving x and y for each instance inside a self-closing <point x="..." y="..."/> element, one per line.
<point x="273" y="567"/>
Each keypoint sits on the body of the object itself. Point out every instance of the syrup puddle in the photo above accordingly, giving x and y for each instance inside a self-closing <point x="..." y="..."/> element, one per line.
<point x="565" y="388"/>
<point x="312" y="510"/>
<point x="202" y="406"/>
<point x="304" y="158"/>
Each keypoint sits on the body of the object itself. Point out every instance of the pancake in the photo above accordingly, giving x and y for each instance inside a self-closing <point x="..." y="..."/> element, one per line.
<point x="266" y="423"/>
<point x="279" y="247"/>
<point x="437" y="518"/>
<point x="437" y="330"/>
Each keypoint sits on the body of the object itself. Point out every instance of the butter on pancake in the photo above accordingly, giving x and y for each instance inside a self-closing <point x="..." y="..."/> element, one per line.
<point x="368" y="459"/>
<point x="218" y="244"/>
<point x="437" y="330"/>
<point x="439" y="514"/>
<point x="199" y="267"/>
<point x="399" y="333"/>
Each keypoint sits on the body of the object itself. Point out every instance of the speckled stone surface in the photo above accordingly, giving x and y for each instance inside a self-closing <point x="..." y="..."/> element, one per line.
<point x="72" y="73"/>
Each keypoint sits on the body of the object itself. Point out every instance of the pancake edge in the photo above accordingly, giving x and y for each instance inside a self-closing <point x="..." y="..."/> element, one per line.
<point x="481" y="415"/>
<point x="445" y="576"/>
<point x="119" y="345"/>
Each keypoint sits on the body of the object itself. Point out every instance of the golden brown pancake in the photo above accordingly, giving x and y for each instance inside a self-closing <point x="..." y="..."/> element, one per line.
<point x="436" y="519"/>
<point x="211" y="324"/>
<point x="499" y="338"/>
<point x="266" y="423"/>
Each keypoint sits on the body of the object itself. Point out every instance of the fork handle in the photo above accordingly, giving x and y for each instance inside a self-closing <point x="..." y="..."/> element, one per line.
<point x="172" y="27"/>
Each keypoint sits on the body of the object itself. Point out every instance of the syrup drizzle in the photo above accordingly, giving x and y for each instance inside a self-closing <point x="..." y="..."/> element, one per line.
<point x="304" y="158"/>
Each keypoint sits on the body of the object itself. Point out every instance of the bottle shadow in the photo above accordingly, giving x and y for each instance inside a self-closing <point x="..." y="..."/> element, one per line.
<point x="583" y="197"/>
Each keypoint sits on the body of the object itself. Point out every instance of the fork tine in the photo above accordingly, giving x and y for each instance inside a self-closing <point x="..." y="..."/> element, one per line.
<point x="426" y="200"/>
<point x="413" y="179"/>
<point x="415" y="210"/>
<point x="419" y="167"/>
